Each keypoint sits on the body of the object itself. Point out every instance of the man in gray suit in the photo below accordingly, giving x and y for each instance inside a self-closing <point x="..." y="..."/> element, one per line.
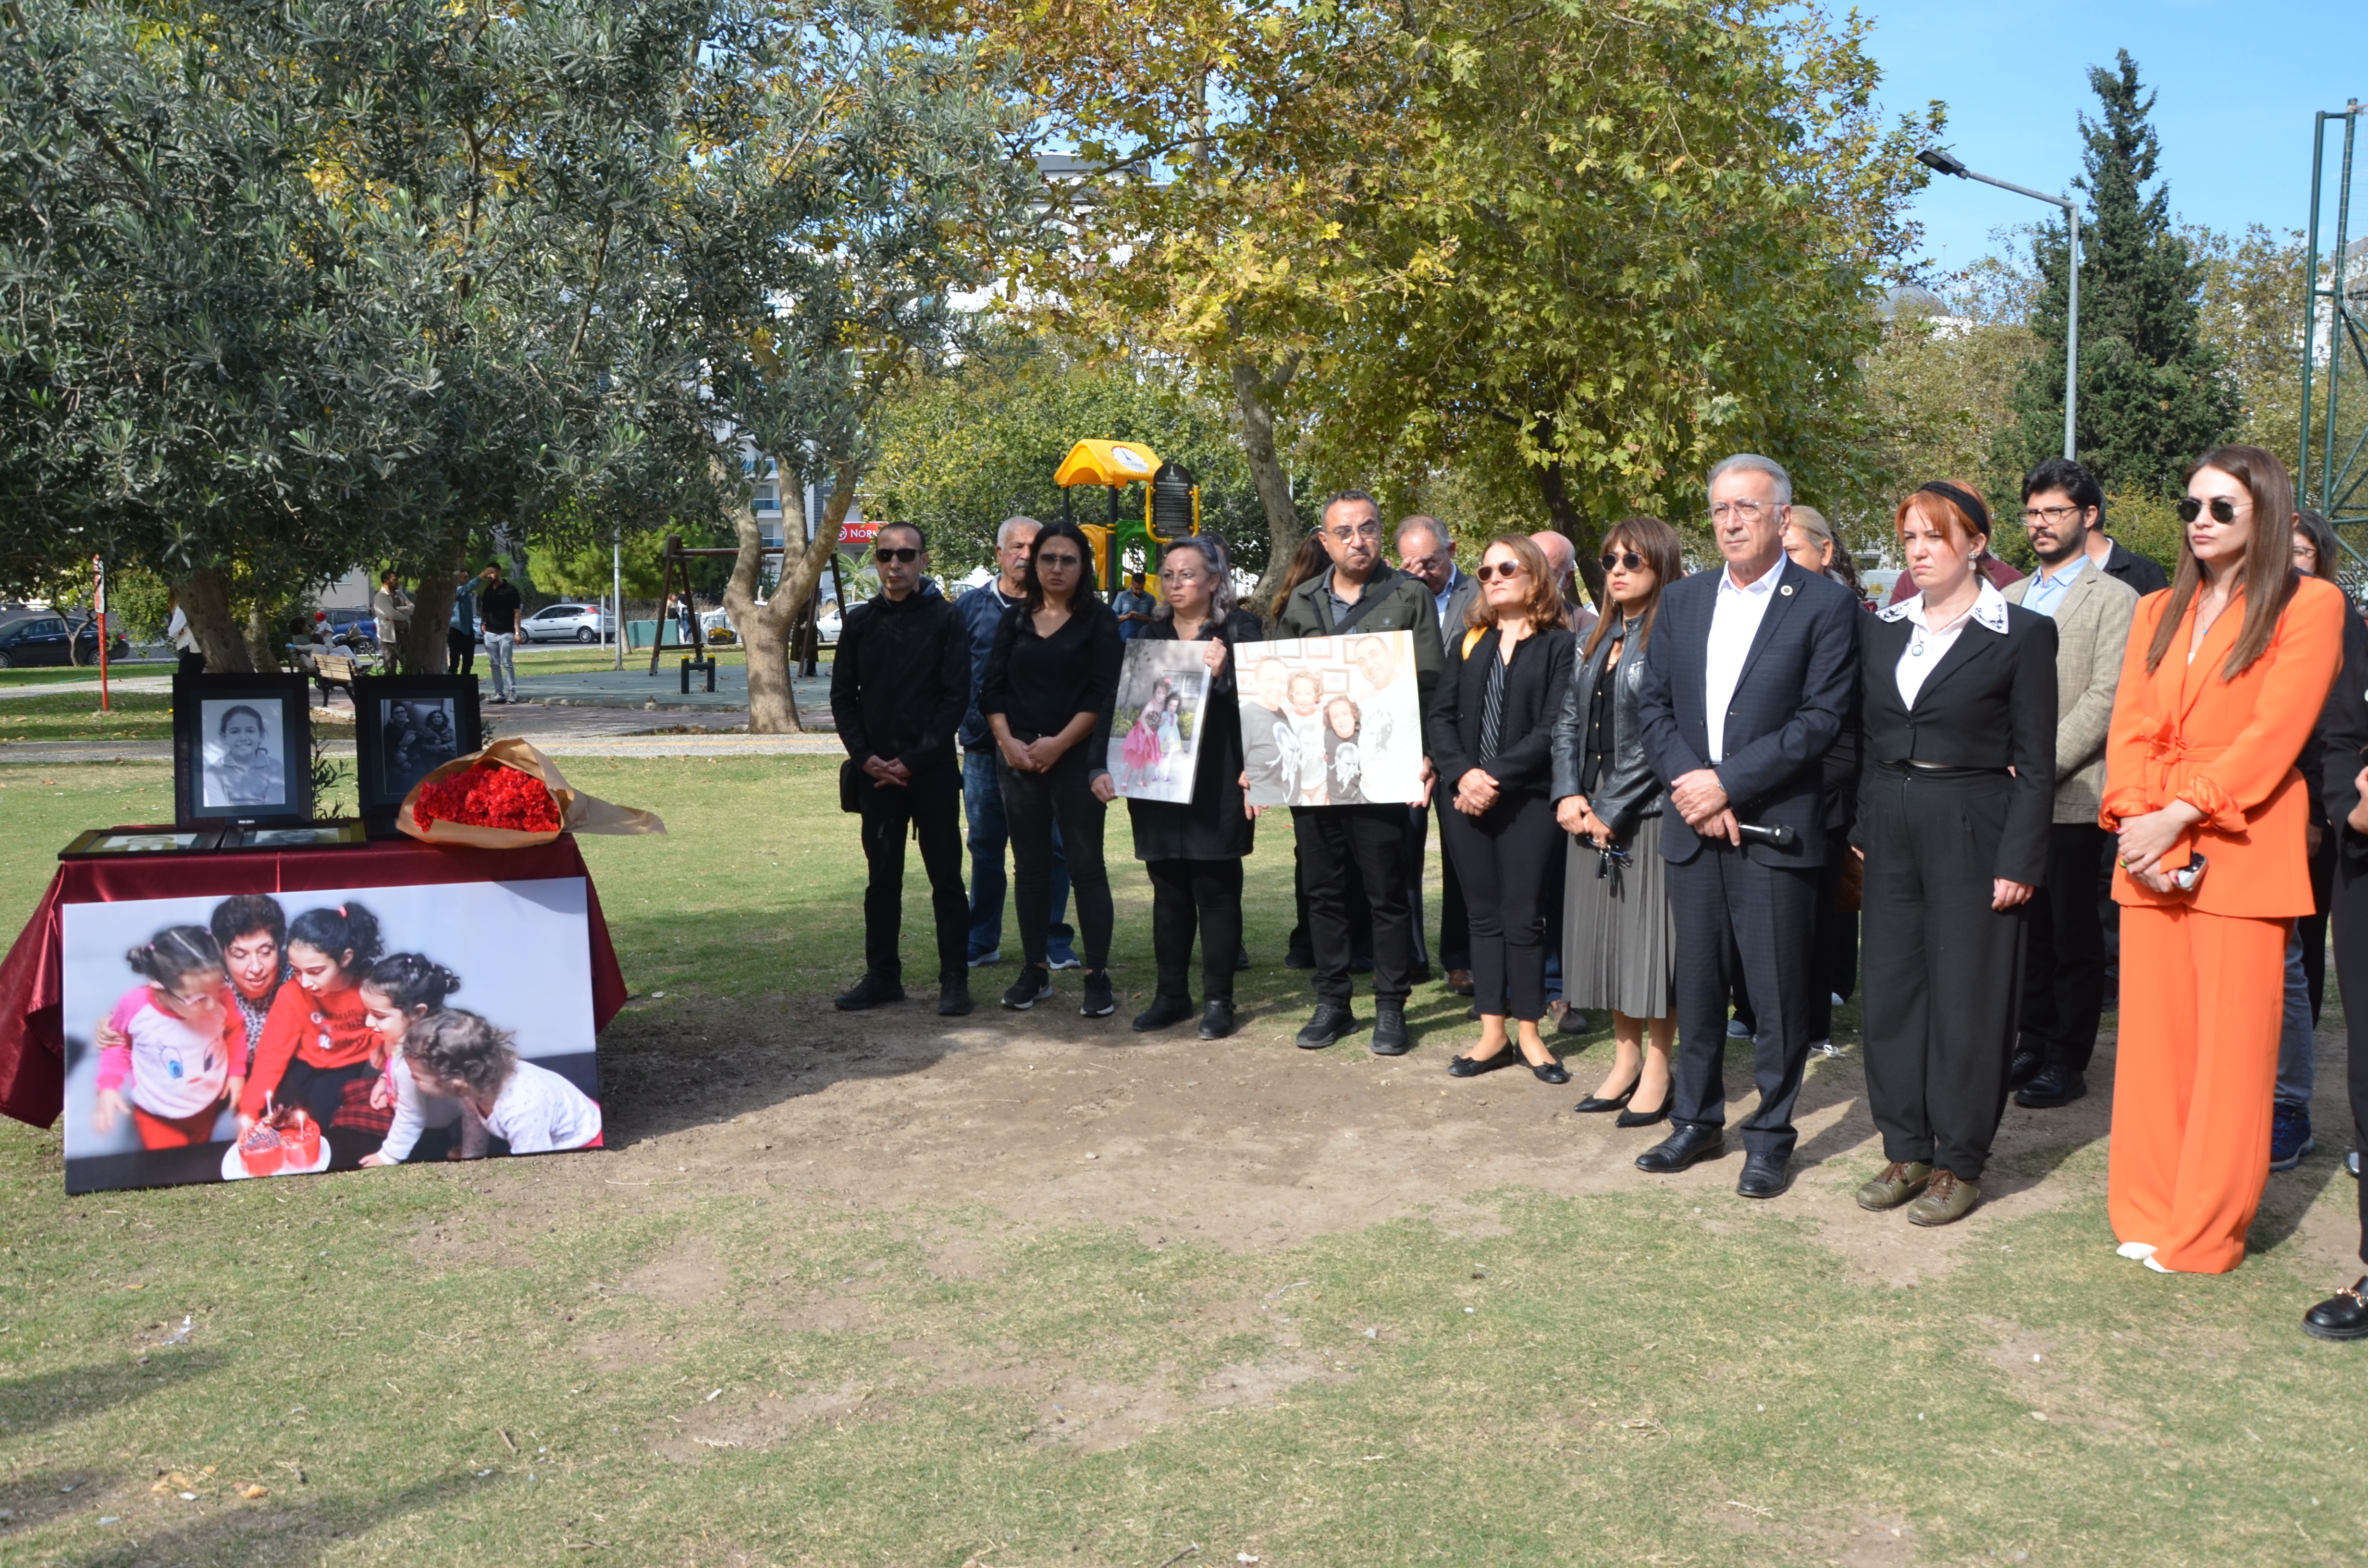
<point x="1426" y="550"/>
<point x="1749" y="680"/>
<point x="2064" y="967"/>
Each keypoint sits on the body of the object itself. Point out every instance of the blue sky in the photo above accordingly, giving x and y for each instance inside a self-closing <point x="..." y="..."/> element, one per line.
<point x="2237" y="85"/>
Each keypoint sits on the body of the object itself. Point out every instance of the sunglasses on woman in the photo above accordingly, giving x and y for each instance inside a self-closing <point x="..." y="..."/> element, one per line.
<point x="1627" y="559"/>
<point x="1488" y="568"/>
<point x="907" y="553"/>
<point x="2223" y="509"/>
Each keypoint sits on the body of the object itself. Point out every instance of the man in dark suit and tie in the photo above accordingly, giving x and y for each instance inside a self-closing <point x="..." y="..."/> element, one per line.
<point x="1747" y="681"/>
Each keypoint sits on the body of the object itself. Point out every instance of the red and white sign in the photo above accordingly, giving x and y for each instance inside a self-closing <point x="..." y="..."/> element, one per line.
<point x="854" y="531"/>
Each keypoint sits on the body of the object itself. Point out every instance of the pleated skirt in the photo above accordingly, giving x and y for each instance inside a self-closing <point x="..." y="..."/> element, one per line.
<point x="1620" y="942"/>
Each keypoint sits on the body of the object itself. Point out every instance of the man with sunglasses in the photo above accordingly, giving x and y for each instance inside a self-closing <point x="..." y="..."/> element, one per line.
<point x="1360" y="592"/>
<point x="982" y="610"/>
<point x="898" y="684"/>
<point x="2064" y="961"/>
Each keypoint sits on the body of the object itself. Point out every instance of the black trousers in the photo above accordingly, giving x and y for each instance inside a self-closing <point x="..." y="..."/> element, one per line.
<point x="1417" y="834"/>
<point x="1834" y="928"/>
<point x="1360" y="913"/>
<point x="1943" y="969"/>
<point x="2349" y="907"/>
<point x="2063" y="970"/>
<point x="1371" y="839"/>
<point x="1505" y="856"/>
<point x="1454" y="915"/>
<point x="2312" y="928"/>
<point x="1205" y="895"/>
<point x="1738" y="920"/>
<point x="461" y="650"/>
<point x="930" y="809"/>
<point x="1031" y="803"/>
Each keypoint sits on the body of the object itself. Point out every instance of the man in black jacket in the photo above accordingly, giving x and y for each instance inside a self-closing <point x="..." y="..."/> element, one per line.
<point x="898" y="687"/>
<point x="1360" y="592"/>
<point x="1748" y="679"/>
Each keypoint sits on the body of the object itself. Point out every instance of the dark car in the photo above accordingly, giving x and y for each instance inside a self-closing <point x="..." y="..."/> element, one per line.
<point x="39" y="637"/>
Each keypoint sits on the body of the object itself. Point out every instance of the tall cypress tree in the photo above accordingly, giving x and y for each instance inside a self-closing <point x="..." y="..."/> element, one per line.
<point x="2152" y="397"/>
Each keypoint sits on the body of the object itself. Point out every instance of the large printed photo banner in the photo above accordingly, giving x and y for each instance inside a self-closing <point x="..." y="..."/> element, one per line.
<point x="220" y="1038"/>
<point x="1332" y="721"/>
<point x="1155" y="740"/>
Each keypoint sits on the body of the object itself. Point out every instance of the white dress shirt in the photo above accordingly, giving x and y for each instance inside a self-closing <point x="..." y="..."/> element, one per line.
<point x="1734" y="623"/>
<point x="1926" y="648"/>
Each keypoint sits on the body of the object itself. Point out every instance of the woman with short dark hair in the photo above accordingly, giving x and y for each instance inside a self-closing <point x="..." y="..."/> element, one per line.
<point x="1051" y="681"/>
<point x="1957" y="725"/>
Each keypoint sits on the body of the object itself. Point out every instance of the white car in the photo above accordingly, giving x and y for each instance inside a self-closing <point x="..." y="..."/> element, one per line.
<point x="827" y="625"/>
<point x="563" y="623"/>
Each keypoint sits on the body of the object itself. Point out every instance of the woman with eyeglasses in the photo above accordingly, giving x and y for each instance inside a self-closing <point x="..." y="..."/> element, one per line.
<point x="1620" y="941"/>
<point x="1193" y="851"/>
<point x="1051" y="681"/>
<point x="2226" y="673"/>
<point x="1492" y="736"/>
<point x="1957" y="725"/>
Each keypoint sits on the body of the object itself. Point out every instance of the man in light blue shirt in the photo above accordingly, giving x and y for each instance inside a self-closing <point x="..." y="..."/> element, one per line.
<point x="2047" y="590"/>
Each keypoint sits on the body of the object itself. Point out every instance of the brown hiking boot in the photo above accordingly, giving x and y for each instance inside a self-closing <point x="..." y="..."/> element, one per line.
<point x="1945" y="1201"/>
<point x="1899" y="1182"/>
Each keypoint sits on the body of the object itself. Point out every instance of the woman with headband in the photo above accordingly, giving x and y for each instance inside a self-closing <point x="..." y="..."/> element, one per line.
<point x="1957" y="730"/>
<point x="2225" y="677"/>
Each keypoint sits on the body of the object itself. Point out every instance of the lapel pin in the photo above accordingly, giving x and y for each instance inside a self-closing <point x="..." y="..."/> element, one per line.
<point x="1786" y="590"/>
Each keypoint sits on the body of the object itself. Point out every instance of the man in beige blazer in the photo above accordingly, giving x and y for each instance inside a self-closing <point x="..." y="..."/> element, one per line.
<point x="2063" y="970"/>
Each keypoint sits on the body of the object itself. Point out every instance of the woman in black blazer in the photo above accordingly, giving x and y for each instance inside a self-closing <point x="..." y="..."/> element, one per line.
<point x="1957" y="693"/>
<point x="1491" y="733"/>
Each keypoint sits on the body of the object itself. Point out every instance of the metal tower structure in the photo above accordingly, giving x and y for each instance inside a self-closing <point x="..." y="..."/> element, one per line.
<point x="2334" y="479"/>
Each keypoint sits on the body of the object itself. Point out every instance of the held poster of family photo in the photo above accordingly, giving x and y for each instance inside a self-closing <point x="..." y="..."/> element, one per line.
<point x="220" y="1038"/>
<point x="1332" y="721"/>
<point x="1163" y="691"/>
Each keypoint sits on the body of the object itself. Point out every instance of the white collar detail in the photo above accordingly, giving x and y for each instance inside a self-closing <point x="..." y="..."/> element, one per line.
<point x="1990" y="609"/>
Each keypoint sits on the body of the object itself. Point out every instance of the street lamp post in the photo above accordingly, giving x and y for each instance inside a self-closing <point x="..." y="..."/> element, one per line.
<point x="1941" y="161"/>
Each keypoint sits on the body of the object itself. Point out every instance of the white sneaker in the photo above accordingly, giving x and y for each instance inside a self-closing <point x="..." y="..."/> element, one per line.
<point x="2135" y="1249"/>
<point x="1824" y="1048"/>
<point x="2160" y="1268"/>
<point x="985" y="958"/>
<point x="1836" y="998"/>
<point x="1072" y="961"/>
<point x="1738" y="1029"/>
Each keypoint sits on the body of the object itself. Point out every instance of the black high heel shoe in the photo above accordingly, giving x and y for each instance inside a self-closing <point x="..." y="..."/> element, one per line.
<point x="1594" y="1103"/>
<point x="1647" y="1117"/>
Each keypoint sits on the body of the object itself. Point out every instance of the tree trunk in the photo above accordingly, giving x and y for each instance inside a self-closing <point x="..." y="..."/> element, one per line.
<point x="772" y="700"/>
<point x="1572" y="526"/>
<point x="205" y="599"/>
<point x="425" y="650"/>
<point x="1254" y="394"/>
<point x="260" y="647"/>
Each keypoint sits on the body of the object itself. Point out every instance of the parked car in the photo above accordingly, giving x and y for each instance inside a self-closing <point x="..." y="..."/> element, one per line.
<point x="826" y="627"/>
<point x="563" y="623"/>
<point x="35" y="637"/>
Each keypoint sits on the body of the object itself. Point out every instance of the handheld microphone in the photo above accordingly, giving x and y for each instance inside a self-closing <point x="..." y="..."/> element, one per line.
<point x="1776" y="835"/>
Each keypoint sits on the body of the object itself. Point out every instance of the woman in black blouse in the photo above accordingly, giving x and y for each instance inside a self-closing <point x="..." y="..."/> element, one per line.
<point x="1052" y="680"/>
<point x="1620" y="939"/>
<point x="1957" y="693"/>
<point x="1491" y="724"/>
<point x="1193" y="852"/>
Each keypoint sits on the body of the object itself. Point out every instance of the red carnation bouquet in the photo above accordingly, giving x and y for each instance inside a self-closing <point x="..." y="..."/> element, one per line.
<point x="509" y="796"/>
<point x="487" y="794"/>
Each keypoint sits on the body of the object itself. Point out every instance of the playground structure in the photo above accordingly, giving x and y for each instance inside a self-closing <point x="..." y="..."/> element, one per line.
<point x="1171" y="504"/>
<point x="2335" y="333"/>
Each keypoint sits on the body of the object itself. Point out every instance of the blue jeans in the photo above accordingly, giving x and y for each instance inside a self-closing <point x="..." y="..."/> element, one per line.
<point x="990" y="835"/>
<point x="2297" y="1053"/>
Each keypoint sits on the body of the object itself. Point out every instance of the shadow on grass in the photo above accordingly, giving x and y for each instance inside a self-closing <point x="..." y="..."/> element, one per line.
<point x="2290" y="1196"/>
<point x="291" y="1527"/>
<point x="44" y="1399"/>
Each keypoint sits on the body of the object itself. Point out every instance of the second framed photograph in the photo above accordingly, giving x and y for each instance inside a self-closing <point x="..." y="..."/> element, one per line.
<point x="405" y="727"/>
<point x="242" y="750"/>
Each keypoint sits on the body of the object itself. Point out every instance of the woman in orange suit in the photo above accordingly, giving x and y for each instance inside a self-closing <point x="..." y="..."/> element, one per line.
<point x="2225" y="673"/>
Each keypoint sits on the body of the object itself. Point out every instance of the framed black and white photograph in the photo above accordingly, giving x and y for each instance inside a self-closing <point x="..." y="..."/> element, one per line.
<point x="405" y="728"/>
<point x="139" y="841"/>
<point x="311" y="835"/>
<point x="242" y="750"/>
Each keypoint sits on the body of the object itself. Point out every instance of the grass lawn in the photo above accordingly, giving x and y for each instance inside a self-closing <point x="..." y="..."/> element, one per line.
<point x="75" y="716"/>
<point x="1031" y="1289"/>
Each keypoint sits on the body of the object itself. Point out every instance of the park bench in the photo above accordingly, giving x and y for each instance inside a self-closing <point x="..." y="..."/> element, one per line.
<point x="333" y="672"/>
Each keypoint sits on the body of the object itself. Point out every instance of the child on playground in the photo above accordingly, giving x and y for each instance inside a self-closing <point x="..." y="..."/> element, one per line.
<point x="531" y="1109"/>
<point x="400" y="990"/>
<point x="184" y="1061"/>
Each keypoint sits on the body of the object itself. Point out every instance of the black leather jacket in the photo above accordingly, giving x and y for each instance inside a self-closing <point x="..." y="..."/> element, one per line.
<point x="1632" y="793"/>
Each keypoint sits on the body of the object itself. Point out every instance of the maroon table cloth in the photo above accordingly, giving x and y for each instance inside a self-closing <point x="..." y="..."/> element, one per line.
<point x="32" y="1021"/>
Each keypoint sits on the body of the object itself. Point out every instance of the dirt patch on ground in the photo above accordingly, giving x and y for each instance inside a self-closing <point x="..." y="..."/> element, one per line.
<point x="1049" y="1120"/>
